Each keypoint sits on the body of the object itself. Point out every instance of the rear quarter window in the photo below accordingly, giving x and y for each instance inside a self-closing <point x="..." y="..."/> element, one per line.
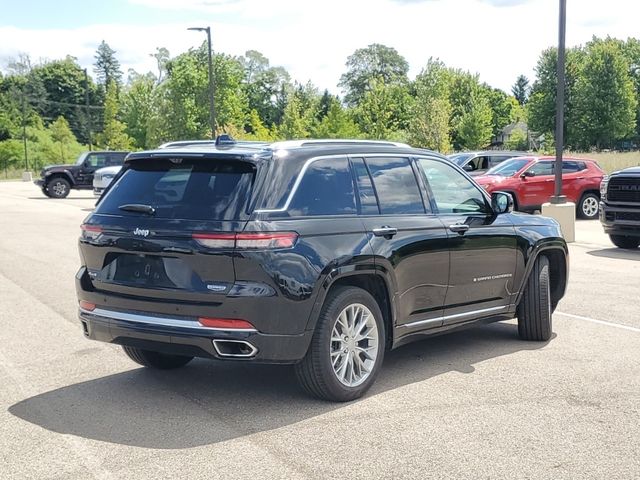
<point x="326" y="188"/>
<point x="194" y="190"/>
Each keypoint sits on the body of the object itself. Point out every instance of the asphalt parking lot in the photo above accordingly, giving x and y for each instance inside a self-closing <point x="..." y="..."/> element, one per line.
<point x="475" y="404"/>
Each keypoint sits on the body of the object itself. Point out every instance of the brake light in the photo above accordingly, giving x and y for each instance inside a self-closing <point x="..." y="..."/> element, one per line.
<point x="248" y="240"/>
<point x="226" y="323"/>
<point x="87" y="306"/>
<point x="90" y="232"/>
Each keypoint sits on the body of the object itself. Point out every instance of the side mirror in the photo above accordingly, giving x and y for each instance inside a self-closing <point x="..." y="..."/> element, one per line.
<point x="468" y="167"/>
<point x="501" y="202"/>
<point x="528" y="173"/>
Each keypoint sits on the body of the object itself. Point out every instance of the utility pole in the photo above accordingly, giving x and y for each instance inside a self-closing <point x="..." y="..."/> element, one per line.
<point x="558" y="197"/>
<point x="212" y="107"/>
<point x="86" y="103"/>
<point x="24" y="130"/>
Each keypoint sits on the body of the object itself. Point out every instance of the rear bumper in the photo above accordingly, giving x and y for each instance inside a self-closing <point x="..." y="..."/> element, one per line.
<point x="185" y="336"/>
<point x="620" y="220"/>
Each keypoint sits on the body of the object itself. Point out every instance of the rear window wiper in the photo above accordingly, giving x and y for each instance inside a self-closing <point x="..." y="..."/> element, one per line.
<point x="138" y="207"/>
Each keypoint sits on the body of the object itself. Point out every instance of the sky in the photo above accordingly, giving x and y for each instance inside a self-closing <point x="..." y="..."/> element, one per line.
<point x="498" y="39"/>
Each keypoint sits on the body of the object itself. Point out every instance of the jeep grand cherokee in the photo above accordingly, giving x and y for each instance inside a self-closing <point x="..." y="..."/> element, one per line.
<point x="322" y="254"/>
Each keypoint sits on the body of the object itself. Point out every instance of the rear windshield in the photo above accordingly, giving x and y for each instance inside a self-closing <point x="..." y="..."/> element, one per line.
<point x="193" y="190"/>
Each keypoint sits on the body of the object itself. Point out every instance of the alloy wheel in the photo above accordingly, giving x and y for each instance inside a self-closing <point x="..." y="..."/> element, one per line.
<point x="354" y="345"/>
<point x="590" y="207"/>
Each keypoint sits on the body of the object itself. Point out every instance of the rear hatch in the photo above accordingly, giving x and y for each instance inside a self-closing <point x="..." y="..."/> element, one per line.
<point x="166" y="230"/>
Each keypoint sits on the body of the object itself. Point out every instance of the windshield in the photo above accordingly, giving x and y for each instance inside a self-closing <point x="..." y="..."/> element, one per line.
<point x="81" y="158"/>
<point x="192" y="190"/>
<point x="460" y="158"/>
<point x="509" y="168"/>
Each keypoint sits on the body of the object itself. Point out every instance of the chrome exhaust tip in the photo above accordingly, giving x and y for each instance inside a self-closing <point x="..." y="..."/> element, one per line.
<point x="234" y="348"/>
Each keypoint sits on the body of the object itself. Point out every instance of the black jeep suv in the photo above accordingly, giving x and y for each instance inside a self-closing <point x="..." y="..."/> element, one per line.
<point x="56" y="180"/>
<point x="620" y="207"/>
<point x="322" y="254"/>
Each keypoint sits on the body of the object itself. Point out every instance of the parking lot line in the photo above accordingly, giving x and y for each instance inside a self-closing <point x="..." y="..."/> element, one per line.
<point x="601" y="322"/>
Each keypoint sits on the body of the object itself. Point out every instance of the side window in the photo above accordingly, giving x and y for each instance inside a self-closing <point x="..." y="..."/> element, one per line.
<point x="96" y="160"/>
<point x="395" y="185"/>
<point x="325" y="189"/>
<point x="366" y="193"/>
<point x="452" y="192"/>
<point x="114" y="160"/>
<point x="497" y="159"/>
<point x="542" y="168"/>
<point x="572" y="166"/>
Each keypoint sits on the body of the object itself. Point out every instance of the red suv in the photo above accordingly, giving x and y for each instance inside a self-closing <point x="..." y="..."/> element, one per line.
<point x="531" y="182"/>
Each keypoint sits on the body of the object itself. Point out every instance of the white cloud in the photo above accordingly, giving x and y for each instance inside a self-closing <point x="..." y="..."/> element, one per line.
<point x="313" y="40"/>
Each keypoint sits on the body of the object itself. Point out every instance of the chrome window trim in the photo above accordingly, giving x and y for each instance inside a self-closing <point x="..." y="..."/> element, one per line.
<point x="283" y="145"/>
<point x="304" y="168"/>
<point x="457" y="315"/>
<point x="159" y="321"/>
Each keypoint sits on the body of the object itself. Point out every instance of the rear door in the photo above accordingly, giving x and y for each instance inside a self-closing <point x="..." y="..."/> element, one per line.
<point x="168" y="228"/>
<point x="482" y="245"/>
<point x="409" y="241"/>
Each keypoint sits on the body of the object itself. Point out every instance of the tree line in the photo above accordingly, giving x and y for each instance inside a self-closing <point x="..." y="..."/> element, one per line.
<point x="56" y="110"/>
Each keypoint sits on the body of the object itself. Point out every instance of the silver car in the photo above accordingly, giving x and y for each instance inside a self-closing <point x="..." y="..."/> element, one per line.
<point x="102" y="178"/>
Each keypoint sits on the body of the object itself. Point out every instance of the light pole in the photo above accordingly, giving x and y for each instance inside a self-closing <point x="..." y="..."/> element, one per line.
<point x="212" y="108"/>
<point x="558" y="197"/>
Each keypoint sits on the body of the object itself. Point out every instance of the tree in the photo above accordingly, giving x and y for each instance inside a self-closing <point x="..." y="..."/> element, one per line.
<point x="137" y="108"/>
<point x="384" y="111"/>
<point x="113" y="135"/>
<point x="62" y="134"/>
<point x="518" y="140"/>
<point x="162" y="57"/>
<point x="429" y="126"/>
<point x="293" y="122"/>
<point x="372" y="63"/>
<point x="520" y="89"/>
<point x="474" y="130"/>
<point x="254" y="64"/>
<point x="337" y="123"/>
<point x="541" y="106"/>
<point x="107" y="66"/>
<point x="605" y="96"/>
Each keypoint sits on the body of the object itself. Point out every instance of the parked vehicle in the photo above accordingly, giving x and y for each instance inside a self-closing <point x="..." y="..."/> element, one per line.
<point x="103" y="177"/>
<point x="477" y="163"/>
<point x="531" y="182"/>
<point x="322" y="254"/>
<point x="620" y="207"/>
<point x="57" y="180"/>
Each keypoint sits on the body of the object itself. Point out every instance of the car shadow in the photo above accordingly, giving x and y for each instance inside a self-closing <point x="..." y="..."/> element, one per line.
<point x="617" y="253"/>
<point x="209" y="402"/>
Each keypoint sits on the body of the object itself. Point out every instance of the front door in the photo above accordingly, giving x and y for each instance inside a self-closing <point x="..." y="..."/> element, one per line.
<point x="409" y="241"/>
<point x="482" y="245"/>
<point x="538" y="188"/>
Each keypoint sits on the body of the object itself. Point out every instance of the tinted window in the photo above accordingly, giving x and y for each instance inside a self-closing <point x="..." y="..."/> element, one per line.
<point x="366" y="194"/>
<point x="497" y="159"/>
<point x="542" y="168"/>
<point x="572" y="166"/>
<point x="326" y="189"/>
<point x="452" y="192"/>
<point x="199" y="191"/>
<point x="395" y="185"/>
<point x="96" y="160"/>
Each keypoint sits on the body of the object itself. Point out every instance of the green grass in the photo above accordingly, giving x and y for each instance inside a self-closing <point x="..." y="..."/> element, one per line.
<point x="612" y="161"/>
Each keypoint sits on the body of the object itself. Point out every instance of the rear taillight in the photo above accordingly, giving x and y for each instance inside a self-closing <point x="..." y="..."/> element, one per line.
<point x="247" y="240"/>
<point x="90" y="232"/>
<point x="87" y="306"/>
<point x="225" y="323"/>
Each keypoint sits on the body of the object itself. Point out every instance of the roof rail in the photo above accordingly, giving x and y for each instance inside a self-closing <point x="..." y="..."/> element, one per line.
<point x="329" y="141"/>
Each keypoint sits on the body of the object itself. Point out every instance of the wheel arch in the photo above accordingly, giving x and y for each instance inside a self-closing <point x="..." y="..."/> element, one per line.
<point x="64" y="174"/>
<point x="558" y="256"/>
<point x="373" y="282"/>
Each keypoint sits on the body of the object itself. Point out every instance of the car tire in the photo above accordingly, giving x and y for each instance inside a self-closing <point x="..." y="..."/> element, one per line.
<point x="46" y="192"/>
<point x="624" y="241"/>
<point x="330" y="370"/>
<point x="58" y="187"/>
<point x="535" y="309"/>
<point x="157" y="360"/>
<point x="589" y="206"/>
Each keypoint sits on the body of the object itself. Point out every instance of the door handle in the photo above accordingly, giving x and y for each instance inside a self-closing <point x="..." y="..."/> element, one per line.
<point x="385" y="231"/>
<point x="460" y="228"/>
